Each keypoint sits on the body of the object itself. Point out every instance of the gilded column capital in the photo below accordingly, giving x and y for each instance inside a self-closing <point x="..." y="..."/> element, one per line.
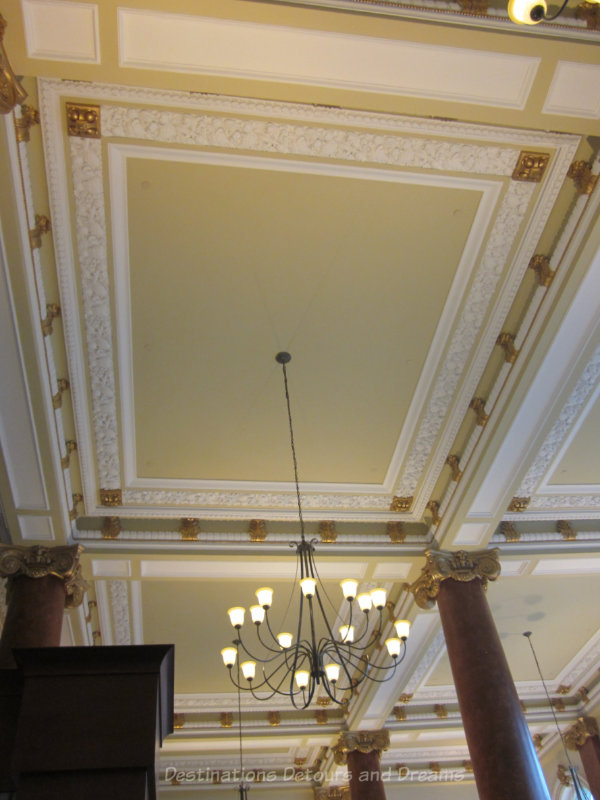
<point x="580" y="732"/>
<point x="461" y="565"/>
<point x="39" y="561"/>
<point x="11" y="91"/>
<point x="363" y="741"/>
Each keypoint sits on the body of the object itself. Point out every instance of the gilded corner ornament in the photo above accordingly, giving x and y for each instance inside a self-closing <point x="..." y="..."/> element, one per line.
<point x="531" y="167"/>
<point x="363" y="741"/>
<point x="40" y="561"/>
<point x="577" y="735"/>
<point x="519" y="504"/>
<point x="83" y="120"/>
<point x="111" y="497"/>
<point x="401" y="504"/>
<point x="461" y="566"/>
<point x="11" y="91"/>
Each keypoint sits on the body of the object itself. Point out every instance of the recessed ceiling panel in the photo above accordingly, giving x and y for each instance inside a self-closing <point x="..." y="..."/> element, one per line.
<point x="349" y="271"/>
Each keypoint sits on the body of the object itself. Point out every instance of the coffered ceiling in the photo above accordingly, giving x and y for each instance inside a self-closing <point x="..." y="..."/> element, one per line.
<point x="389" y="196"/>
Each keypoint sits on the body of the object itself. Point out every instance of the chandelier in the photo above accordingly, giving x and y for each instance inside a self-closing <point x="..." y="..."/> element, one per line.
<point x="294" y="665"/>
<point x="530" y="12"/>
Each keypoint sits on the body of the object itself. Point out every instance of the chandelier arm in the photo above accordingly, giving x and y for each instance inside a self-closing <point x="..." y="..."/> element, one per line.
<point x="331" y="637"/>
<point x="270" y="630"/>
<point x="262" y="641"/>
<point x="557" y="14"/>
<point x="330" y="694"/>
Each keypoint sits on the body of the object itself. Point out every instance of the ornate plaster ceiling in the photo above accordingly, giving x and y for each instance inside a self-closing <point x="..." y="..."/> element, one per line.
<point x="436" y="287"/>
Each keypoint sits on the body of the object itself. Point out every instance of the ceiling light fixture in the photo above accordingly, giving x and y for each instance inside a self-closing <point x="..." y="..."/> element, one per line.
<point x="316" y="657"/>
<point x="530" y="12"/>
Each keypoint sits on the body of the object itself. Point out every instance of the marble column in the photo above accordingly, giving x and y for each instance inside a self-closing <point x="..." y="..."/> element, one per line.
<point x="505" y="763"/>
<point x="584" y="737"/>
<point x="361" y="752"/>
<point x="41" y="582"/>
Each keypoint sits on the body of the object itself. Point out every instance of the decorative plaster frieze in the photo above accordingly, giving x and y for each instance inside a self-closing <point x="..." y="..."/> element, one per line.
<point x="119" y="610"/>
<point x="88" y="190"/>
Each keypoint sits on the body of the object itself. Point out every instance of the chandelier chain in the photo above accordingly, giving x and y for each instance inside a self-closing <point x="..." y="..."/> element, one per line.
<point x="289" y="410"/>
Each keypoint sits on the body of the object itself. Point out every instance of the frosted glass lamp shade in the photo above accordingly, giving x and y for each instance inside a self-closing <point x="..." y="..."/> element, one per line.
<point x="264" y="596"/>
<point x="248" y="669"/>
<point x="365" y="602"/>
<point x="302" y="677"/>
<point x="349" y="588"/>
<point x="229" y="655"/>
<point x="347" y="633"/>
<point x="378" y="597"/>
<point x="236" y="615"/>
<point x="285" y="640"/>
<point x="393" y="646"/>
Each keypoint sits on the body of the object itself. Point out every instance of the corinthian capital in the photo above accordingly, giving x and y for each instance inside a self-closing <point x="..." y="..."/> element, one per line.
<point x="39" y="561"/>
<point x="580" y="732"/>
<point x="460" y="566"/>
<point x="363" y="741"/>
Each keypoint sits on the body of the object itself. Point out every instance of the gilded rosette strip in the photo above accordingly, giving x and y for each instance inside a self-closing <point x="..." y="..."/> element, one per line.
<point x="39" y="561"/>
<point x="363" y="741"/>
<point x="461" y="566"/>
<point x="580" y="732"/>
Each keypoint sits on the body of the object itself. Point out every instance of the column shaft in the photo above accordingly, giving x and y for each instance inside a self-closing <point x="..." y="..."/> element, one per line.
<point x="365" y="776"/>
<point x="35" y="608"/>
<point x="590" y="758"/>
<point x="504" y="760"/>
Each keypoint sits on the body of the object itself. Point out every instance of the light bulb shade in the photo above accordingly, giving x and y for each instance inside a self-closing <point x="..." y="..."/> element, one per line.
<point x="527" y="12"/>
<point x="394" y="646"/>
<point x="347" y="633"/>
<point x="236" y="615"/>
<point x="229" y="655"/>
<point x="302" y="677"/>
<point x="248" y="669"/>
<point x="308" y="587"/>
<point x="364" y="601"/>
<point x="378" y="597"/>
<point x="349" y="588"/>
<point x="264" y="596"/>
<point x="257" y="613"/>
<point x="402" y="628"/>
<point x="285" y="640"/>
<point x="333" y="672"/>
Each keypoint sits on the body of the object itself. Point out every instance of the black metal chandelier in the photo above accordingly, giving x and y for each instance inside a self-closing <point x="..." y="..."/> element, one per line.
<point x="295" y="668"/>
